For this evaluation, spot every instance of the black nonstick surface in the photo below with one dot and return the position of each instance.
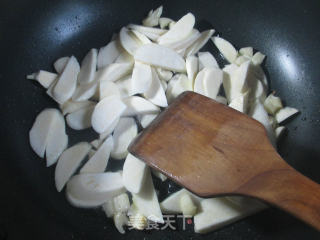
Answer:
(35, 33)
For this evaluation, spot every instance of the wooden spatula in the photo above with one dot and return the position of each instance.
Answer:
(214, 150)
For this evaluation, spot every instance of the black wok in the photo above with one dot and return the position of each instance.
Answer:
(35, 33)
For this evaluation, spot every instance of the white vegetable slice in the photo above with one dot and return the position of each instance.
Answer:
(147, 202)
(219, 212)
(164, 22)
(138, 105)
(279, 131)
(91, 153)
(92, 190)
(179, 84)
(99, 161)
(134, 173)
(68, 163)
(124, 57)
(124, 84)
(153, 17)
(272, 104)
(80, 119)
(240, 103)
(172, 203)
(38, 135)
(85, 91)
(60, 64)
(212, 81)
(120, 220)
(123, 134)
(128, 41)
(206, 59)
(246, 51)
(187, 206)
(164, 85)
(155, 93)
(259, 113)
(113, 72)
(160, 56)
(241, 59)
(141, 78)
(108, 208)
(285, 113)
(88, 67)
(108, 54)
(106, 112)
(45, 78)
(146, 119)
(96, 143)
(143, 39)
(258, 58)
(179, 31)
(108, 89)
(192, 68)
(150, 32)
(164, 75)
(66, 83)
(186, 42)
(57, 140)
(221, 99)
(110, 129)
(70, 106)
(198, 82)
(200, 42)
(225, 48)
(121, 203)
(159, 175)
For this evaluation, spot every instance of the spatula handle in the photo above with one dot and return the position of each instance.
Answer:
(289, 190)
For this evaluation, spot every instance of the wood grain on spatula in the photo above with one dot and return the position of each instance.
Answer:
(214, 150)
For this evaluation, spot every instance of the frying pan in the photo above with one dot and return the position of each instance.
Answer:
(35, 33)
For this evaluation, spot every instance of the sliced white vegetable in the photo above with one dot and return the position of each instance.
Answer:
(258, 89)
(147, 202)
(68, 163)
(134, 173)
(106, 112)
(159, 175)
(179, 31)
(124, 84)
(164, 85)
(272, 104)
(285, 113)
(124, 57)
(45, 78)
(123, 134)
(187, 206)
(164, 75)
(246, 51)
(88, 67)
(273, 122)
(128, 41)
(50, 92)
(221, 99)
(57, 140)
(164, 22)
(70, 106)
(143, 39)
(219, 212)
(241, 59)
(60, 64)
(172, 203)
(108, 89)
(66, 84)
(240, 103)
(96, 143)
(120, 220)
(200, 42)
(146, 119)
(80, 119)
(138, 105)
(92, 190)
(186, 42)
(99, 161)
(108, 54)
(153, 17)
(108, 208)
(225, 48)
(113, 72)
(178, 84)
(192, 66)
(258, 58)
(141, 78)
(85, 91)
(38, 135)
(155, 93)
(259, 113)
(160, 56)
(198, 82)
(110, 129)
(150, 32)
(206, 59)
(121, 203)
(212, 81)
(279, 131)
(91, 153)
